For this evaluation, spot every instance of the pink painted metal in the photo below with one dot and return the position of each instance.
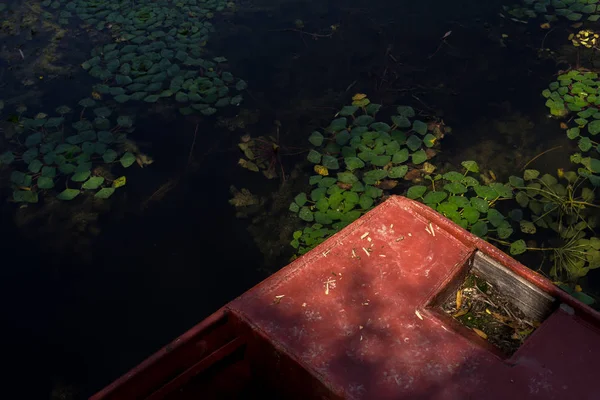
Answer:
(353, 319)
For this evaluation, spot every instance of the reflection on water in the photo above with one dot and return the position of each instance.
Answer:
(131, 131)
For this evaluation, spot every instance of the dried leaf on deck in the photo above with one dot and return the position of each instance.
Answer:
(480, 333)
(459, 297)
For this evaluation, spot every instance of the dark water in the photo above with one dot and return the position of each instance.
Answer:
(83, 315)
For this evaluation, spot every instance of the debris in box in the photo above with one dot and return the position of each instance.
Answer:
(479, 306)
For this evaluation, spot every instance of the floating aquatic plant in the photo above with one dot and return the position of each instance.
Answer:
(470, 204)
(579, 92)
(158, 53)
(356, 158)
(59, 155)
(552, 10)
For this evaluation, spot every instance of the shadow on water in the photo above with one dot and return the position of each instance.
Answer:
(153, 274)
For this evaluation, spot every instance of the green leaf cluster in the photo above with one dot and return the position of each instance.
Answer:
(549, 202)
(552, 10)
(310, 237)
(159, 52)
(56, 152)
(463, 199)
(355, 155)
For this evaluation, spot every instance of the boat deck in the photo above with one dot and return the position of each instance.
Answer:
(358, 318)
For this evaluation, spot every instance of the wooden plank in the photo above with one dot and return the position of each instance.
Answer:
(524, 295)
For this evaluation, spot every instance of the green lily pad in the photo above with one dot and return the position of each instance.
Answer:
(67, 194)
(398, 172)
(455, 188)
(306, 215)
(30, 155)
(480, 229)
(122, 98)
(435, 197)
(330, 162)
(80, 176)
(530, 174)
(415, 192)
(338, 124)
(105, 137)
(35, 166)
(420, 127)
(44, 182)
(353, 163)
(406, 111)
(419, 157)
(49, 172)
(25, 196)
(125, 121)
(594, 127)
(33, 139)
(208, 111)
(104, 193)
(518, 247)
(87, 102)
(363, 120)
(365, 202)
(93, 183)
(413, 143)
(347, 111)
(401, 121)
(127, 159)
(371, 177)
(7, 157)
(400, 156)
(316, 138)
(153, 98)
(314, 157)
(429, 140)
(103, 112)
(347, 177)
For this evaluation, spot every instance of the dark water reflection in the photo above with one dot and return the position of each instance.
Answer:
(150, 276)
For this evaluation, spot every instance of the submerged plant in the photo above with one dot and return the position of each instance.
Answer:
(565, 208)
(60, 155)
(264, 153)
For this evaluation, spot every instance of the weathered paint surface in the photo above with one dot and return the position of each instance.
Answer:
(356, 313)
(353, 312)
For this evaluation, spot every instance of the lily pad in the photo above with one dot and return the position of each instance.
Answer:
(415, 192)
(35, 166)
(44, 182)
(518, 247)
(125, 121)
(33, 139)
(93, 182)
(80, 176)
(68, 194)
(103, 112)
(398, 172)
(104, 193)
(25, 196)
(127, 159)
(7, 157)
(316, 138)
